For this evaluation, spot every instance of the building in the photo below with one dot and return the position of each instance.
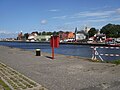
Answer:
(90, 40)
(20, 35)
(32, 36)
(66, 35)
(80, 35)
(99, 37)
(43, 38)
(62, 35)
(70, 35)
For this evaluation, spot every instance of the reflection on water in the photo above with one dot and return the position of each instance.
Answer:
(75, 50)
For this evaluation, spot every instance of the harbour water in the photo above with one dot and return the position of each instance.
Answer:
(66, 49)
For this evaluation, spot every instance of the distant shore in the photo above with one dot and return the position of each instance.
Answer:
(71, 43)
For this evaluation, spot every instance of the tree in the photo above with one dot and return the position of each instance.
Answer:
(49, 33)
(26, 35)
(55, 33)
(111, 30)
(39, 33)
(35, 32)
(44, 33)
(92, 32)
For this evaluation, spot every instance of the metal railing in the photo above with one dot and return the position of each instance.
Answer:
(95, 52)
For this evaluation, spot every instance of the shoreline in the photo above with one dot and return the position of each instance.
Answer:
(64, 44)
(71, 43)
(48, 53)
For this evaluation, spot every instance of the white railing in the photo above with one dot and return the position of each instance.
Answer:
(96, 53)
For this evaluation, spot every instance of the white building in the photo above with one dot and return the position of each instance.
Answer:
(43, 38)
(80, 36)
(32, 37)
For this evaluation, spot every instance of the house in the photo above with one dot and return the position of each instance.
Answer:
(43, 38)
(80, 35)
(90, 40)
(32, 37)
(62, 35)
(66, 36)
(100, 37)
(70, 35)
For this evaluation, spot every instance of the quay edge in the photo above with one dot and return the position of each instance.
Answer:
(72, 43)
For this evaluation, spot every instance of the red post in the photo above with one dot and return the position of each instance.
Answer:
(54, 42)
(53, 48)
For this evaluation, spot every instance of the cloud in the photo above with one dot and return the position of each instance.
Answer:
(100, 8)
(2, 31)
(86, 21)
(118, 10)
(44, 21)
(60, 17)
(96, 20)
(5, 34)
(116, 19)
(54, 10)
(93, 14)
(92, 17)
(64, 28)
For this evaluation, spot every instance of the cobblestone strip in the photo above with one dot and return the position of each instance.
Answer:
(17, 81)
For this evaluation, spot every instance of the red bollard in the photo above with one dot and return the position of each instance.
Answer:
(54, 42)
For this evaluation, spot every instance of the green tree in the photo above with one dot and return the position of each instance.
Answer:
(26, 35)
(111, 30)
(44, 33)
(55, 33)
(92, 32)
(35, 32)
(39, 33)
(49, 33)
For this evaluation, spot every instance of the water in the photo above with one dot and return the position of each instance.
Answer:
(74, 50)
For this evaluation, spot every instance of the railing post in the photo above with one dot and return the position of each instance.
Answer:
(94, 53)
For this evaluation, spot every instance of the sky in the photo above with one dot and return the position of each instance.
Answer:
(56, 15)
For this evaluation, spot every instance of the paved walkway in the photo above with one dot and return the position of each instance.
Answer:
(10, 79)
(63, 73)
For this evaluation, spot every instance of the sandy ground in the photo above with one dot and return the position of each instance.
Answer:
(64, 72)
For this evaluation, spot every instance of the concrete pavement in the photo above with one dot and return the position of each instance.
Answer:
(63, 73)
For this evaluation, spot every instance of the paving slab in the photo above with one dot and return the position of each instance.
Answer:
(13, 80)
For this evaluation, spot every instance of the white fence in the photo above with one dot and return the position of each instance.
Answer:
(96, 53)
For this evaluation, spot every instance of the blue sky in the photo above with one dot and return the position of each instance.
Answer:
(56, 15)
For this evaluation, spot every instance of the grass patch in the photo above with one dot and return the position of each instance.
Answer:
(117, 62)
(5, 86)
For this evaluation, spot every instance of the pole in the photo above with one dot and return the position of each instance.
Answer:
(53, 48)
(94, 55)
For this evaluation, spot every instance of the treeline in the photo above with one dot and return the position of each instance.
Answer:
(26, 35)
(110, 30)
(43, 33)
